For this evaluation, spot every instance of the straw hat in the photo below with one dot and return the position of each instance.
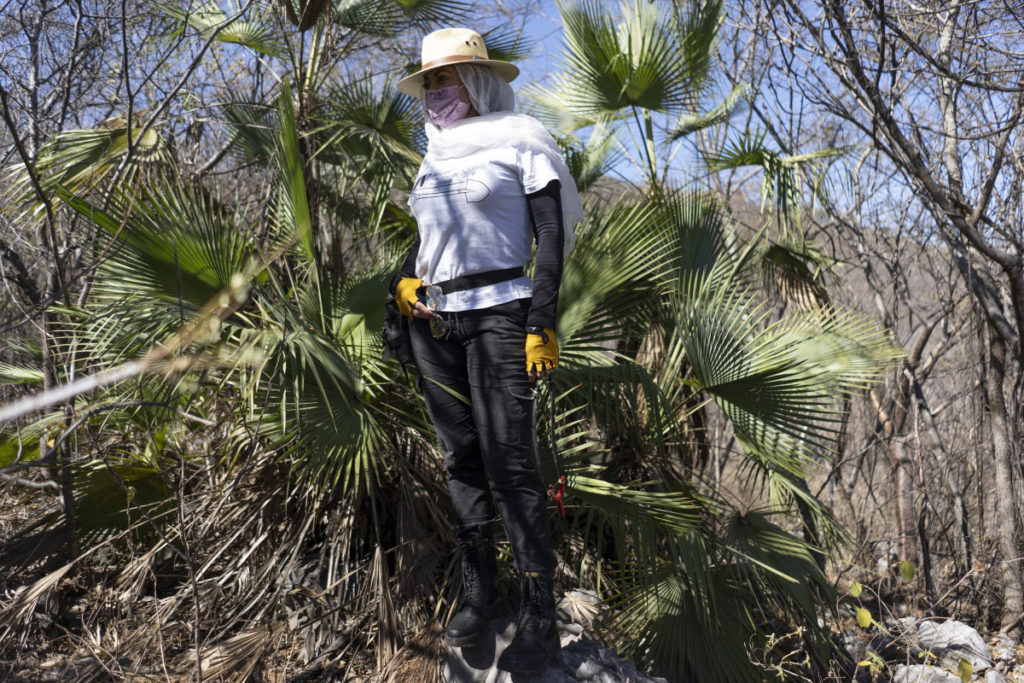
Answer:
(453, 46)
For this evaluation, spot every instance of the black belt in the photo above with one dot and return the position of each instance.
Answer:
(490, 277)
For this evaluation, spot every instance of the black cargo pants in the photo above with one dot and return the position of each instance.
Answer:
(486, 430)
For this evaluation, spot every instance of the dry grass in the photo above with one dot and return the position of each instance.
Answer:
(263, 585)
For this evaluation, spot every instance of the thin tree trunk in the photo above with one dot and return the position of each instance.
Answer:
(906, 518)
(1007, 504)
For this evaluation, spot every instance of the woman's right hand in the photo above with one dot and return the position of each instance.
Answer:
(405, 296)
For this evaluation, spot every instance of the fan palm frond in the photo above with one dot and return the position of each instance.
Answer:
(114, 494)
(779, 382)
(733, 103)
(505, 43)
(174, 250)
(253, 128)
(80, 160)
(22, 444)
(209, 20)
(546, 104)
(647, 60)
(368, 17)
(11, 373)
(374, 18)
(589, 162)
(670, 512)
(334, 408)
(175, 243)
(780, 573)
(683, 627)
(688, 616)
(781, 186)
(697, 30)
(378, 129)
(700, 231)
(788, 277)
(635, 421)
(620, 256)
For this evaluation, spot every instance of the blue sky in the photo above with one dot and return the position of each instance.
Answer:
(544, 31)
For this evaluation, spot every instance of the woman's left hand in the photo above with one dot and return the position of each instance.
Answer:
(541, 354)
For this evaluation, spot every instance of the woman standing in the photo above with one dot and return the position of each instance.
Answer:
(492, 183)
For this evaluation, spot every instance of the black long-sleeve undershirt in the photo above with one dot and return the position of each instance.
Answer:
(546, 213)
(545, 208)
(408, 268)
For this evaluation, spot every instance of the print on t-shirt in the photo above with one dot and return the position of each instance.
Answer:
(430, 185)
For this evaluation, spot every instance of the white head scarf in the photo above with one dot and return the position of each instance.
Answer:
(498, 125)
(488, 92)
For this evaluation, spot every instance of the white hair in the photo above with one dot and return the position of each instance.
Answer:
(488, 92)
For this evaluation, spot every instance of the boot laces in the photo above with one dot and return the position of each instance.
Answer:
(534, 604)
(472, 572)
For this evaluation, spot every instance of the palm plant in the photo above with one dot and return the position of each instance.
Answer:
(677, 569)
(651, 69)
(692, 594)
(284, 396)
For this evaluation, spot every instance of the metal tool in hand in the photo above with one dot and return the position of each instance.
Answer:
(438, 325)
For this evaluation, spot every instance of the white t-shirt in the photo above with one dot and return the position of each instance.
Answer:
(473, 217)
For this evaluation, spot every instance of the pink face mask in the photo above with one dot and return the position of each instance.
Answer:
(444, 106)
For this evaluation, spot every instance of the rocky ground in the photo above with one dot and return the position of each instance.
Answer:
(907, 650)
(912, 650)
(581, 659)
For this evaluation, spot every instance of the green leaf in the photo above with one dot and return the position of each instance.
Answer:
(856, 589)
(864, 619)
(176, 244)
(907, 570)
(647, 60)
(20, 374)
(386, 19)
(258, 33)
(111, 494)
(781, 383)
(612, 276)
(293, 171)
(732, 104)
(965, 670)
(781, 186)
(670, 511)
(81, 160)
(23, 444)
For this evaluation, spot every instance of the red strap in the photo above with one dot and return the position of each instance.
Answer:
(558, 493)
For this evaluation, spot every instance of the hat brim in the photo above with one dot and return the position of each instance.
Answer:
(413, 85)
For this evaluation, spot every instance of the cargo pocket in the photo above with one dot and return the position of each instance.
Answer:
(518, 429)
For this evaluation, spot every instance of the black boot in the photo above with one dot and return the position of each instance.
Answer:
(536, 643)
(481, 602)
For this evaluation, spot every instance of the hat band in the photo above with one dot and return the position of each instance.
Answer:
(451, 59)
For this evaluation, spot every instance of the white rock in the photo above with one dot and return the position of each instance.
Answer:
(1003, 649)
(581, 659)
(921, 673)
(992, 676)
(950, 640)
(588, 670)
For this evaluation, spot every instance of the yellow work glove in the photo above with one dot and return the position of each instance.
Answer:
(541, 352)
(405, 294)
